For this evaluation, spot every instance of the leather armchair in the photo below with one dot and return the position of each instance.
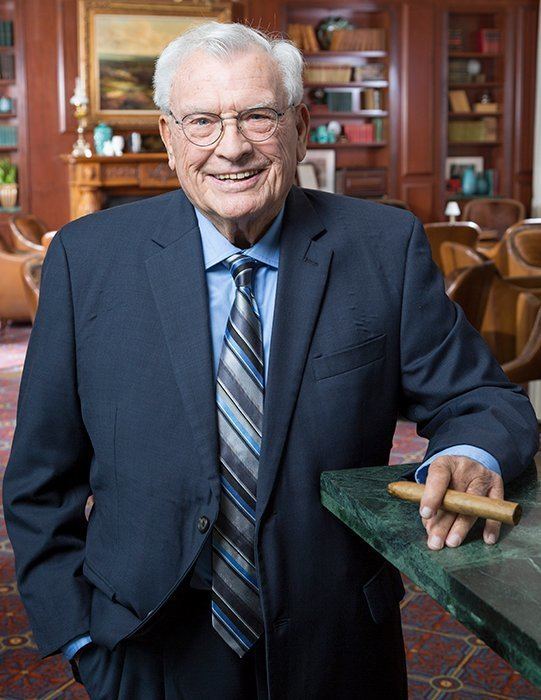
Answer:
(464, 232)
(456, 257)
(494, 215)
(13, 301)
(26, 232)
(507, 315)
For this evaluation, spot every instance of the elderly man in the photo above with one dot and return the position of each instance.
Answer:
(198, 359)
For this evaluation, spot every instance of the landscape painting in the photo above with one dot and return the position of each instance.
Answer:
(126, 51)
(120, 44)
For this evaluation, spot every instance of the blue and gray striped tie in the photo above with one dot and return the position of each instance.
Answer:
(236, 608)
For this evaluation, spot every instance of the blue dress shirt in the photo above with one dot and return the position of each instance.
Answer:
(221, 293)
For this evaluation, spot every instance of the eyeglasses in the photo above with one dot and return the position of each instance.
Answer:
(256, 125)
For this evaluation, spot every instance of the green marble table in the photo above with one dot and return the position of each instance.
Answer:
(494, 590)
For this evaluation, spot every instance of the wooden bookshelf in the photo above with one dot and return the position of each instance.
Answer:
(354, 85)
(476, 67)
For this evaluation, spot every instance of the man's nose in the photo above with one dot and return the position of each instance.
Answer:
(232, 144)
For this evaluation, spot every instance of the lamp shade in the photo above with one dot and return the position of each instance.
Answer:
(452, 209)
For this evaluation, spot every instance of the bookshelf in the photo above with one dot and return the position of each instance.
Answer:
(347, 85)
(477, 108)
(13, 137)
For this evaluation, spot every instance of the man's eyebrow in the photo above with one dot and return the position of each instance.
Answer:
(196, 109)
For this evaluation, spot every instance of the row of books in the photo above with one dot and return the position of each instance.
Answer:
(459, 102)
(8, 135)
(6, 33)
(487, 40)
(369, 132)
(7, 66)
(303, 36)
(366, 39)
(485, 129)
(358, 40)
(458, 72)
(326, 73)
(343, 73)
(371, 99)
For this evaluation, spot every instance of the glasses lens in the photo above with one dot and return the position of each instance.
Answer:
(258, 124)
(201, 129)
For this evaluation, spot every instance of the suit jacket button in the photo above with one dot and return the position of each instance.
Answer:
(203, 523)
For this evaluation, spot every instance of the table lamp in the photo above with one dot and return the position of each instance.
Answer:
(452, 210)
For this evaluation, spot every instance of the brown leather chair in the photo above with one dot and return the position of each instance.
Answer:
(465, 232)
(507, 316)
(493, 215)
(26, 231)
(13, 303)
(31, 274)
(517, 254)
(456, 257)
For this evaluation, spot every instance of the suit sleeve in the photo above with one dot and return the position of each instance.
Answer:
(46, 485)
(452, 386)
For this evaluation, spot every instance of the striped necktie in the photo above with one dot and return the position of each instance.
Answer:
(236, 608)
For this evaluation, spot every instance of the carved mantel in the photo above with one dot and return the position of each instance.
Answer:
(93, 181)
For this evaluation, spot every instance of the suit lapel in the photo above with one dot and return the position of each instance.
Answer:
(177, 277)
(302, 276)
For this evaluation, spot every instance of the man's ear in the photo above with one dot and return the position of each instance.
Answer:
(165, 133)
(303, 126)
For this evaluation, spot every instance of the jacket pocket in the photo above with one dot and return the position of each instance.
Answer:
(94, 576)
(383, 592)
(351, 358)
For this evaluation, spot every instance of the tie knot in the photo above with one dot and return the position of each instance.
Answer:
(242, 268)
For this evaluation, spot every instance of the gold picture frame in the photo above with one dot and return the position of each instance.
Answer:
(118, 45)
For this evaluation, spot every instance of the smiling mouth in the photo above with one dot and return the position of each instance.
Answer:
(245, 175)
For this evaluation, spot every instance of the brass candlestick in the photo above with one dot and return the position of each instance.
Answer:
(80, 101)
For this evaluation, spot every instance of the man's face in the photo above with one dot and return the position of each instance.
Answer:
(227, 87)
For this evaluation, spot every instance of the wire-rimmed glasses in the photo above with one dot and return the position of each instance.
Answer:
(205, 128)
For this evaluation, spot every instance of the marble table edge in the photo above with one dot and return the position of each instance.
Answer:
(506, 648)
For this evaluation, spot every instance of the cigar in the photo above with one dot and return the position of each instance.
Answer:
(464, 503)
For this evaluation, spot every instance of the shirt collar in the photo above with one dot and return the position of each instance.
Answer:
(216, 248)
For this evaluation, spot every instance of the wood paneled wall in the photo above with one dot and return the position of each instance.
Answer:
(50, 28)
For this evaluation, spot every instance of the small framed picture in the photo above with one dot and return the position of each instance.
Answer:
(323, 162)
(307, 176)
(456, 165)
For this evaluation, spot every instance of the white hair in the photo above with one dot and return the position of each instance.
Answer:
(225, 41)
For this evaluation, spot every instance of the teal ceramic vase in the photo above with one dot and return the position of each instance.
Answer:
(469, 181)
(482, 185)
(102, 133)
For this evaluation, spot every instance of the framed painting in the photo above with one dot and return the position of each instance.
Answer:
(323, 162)
(457, 165)
(119, 43)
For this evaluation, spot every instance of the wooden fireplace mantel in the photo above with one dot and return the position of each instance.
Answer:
(92, 181)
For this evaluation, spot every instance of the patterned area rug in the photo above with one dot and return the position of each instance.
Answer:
(445, 661)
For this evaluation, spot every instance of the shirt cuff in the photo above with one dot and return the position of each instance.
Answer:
(475, 453)
(71, 648)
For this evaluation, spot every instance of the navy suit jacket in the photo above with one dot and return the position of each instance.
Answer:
(117, 399)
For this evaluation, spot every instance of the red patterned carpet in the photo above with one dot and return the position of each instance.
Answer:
(445, 661)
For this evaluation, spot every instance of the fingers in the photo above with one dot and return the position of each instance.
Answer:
(437, 482)
(461, 474)
(447, 528)
(492, 528)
